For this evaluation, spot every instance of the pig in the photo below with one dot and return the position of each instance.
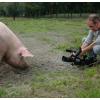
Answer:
(12, 50)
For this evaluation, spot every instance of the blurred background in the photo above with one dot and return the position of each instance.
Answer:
(48, 9)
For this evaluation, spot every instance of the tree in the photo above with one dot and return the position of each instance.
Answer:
(12, 9)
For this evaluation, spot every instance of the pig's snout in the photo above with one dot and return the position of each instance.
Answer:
(19, 63)
(21, 66)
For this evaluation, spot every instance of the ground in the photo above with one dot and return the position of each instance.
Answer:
(44, 59)
(48, 76)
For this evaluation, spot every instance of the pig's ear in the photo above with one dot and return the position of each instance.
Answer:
(25, 53)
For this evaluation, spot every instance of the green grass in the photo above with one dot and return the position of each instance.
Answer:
(3, 92)
(90, 72)
(66, 84)
(57, 83)
(62, 46)
(90, 90)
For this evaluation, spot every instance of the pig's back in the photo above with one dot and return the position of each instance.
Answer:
(9, 37)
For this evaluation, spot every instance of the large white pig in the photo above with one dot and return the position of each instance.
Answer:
(12, 51)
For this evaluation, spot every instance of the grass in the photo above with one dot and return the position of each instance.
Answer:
(3, 92)
(62, 46)
(66, 84)
(90, 72)
(90, 90)
(56, 83)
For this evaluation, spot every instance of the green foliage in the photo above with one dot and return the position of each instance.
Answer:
(47, 9)
(3, 92)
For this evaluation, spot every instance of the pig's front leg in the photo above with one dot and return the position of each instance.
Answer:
(2, 62)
